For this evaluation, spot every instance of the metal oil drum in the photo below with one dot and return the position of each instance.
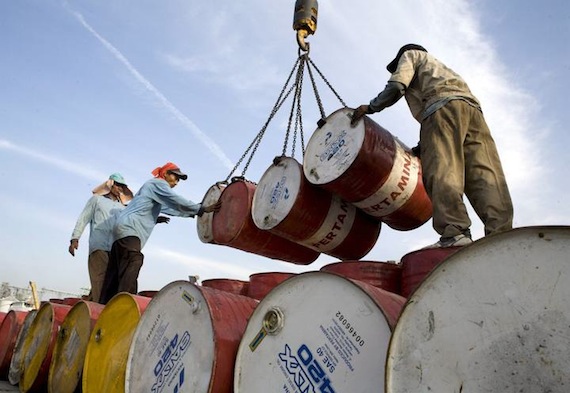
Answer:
(260, 284)
(234, 227)
(237, 287)
(317, 332)
(187, 340)
(287, 204)
(9, 329)
(366, 166)
(416, 266)
(15, 370)
(71, 345)
(204, 222)
(39, 344)
(379, 274)
(493, 317)
(109, 343)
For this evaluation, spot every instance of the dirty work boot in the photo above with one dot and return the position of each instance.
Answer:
(455, 241)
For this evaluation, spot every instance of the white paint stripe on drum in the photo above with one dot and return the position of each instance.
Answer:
(335, 228)
(397, 189)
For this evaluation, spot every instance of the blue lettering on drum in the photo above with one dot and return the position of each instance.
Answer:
(335, 145)
(307, 373)
(168, 361)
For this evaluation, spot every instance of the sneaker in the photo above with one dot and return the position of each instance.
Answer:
(455, 241)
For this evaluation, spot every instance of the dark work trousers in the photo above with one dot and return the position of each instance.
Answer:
(459, 156)
(125, 264)
(97, 263)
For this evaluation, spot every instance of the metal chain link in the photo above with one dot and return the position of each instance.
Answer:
(326, 81)
(255, 143)
(296, 97)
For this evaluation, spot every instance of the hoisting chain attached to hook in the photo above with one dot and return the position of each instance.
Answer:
(305, 21)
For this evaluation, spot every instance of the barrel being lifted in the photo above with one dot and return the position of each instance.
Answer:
(305, 20)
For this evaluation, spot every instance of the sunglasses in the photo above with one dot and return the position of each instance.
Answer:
(120, 185)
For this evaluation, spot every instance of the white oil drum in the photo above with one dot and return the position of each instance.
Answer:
(317, 332)
(186, 340)
(492, 317)
(368, 167)
(204, 222)
(287, 204)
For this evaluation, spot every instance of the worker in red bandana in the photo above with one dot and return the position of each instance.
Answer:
(136, 222)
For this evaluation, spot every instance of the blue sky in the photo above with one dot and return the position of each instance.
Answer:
(90, 88)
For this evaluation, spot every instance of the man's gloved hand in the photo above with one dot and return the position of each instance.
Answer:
(358, 113)
(162, 220)
(416, 150)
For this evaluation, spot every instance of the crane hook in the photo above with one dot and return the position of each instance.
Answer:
(305, 21)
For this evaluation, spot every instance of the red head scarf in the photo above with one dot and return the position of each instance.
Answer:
(160, 172)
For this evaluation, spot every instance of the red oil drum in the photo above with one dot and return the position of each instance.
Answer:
(147, 293)
(379, 274)
(237, 287)
(234, 227)
(204, 222)
(418, 264)
(71, 345)
(366, 166)
(71, 301)
(9, 329)
(492, 317)
(187, 340)
(39, 344)
(317, 332)
(260, 284)
(109, 343)
(2, 316)
(56, 301)
(16, 361)
(286, 204)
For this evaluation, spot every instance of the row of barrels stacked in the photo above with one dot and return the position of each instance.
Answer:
(352, 180)
(185, 336)
(492, 316)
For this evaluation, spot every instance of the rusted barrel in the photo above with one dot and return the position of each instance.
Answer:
(16, 361)
(187, 340)
(109, 343)
(260, 284)
(317, 332)
(379, 274)
(237, 287)
(366, 166)
(418, 264)
(492, 317)
(39, 344)
(9, 329)
(71, 345)
(286, 204)
(204, 222)
(234, 227)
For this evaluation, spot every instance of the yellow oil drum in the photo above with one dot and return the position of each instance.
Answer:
(39, 344)
(71, 345)
(109, 344)
(16, 362)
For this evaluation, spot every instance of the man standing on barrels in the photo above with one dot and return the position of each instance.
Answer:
(457, 151)
(135, 224)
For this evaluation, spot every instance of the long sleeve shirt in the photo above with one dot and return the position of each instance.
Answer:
(100, 213)
(154, 197)
(429, 83)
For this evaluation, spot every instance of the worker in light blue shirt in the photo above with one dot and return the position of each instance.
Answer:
(99, 213)
(135, 224)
